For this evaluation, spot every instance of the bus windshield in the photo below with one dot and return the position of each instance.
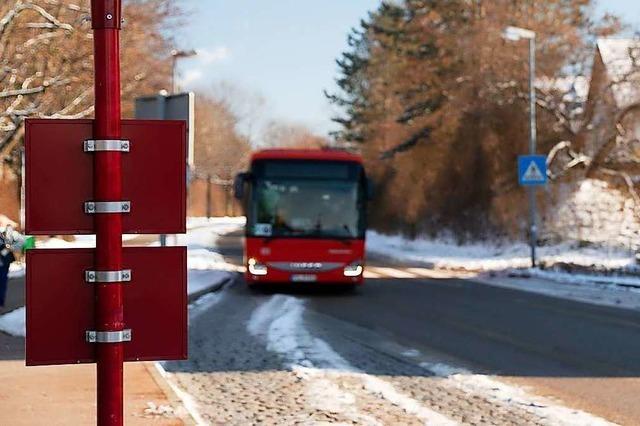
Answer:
(314, 207)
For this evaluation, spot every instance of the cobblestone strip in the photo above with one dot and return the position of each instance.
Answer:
(258, 359)
(280, 322)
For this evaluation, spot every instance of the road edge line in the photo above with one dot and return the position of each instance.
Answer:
(213, 288)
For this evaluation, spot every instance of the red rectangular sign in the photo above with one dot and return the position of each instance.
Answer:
(60, 305)
(59, 177)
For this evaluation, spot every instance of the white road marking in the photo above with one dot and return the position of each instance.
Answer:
(371, 274)
(391, 272)
(428, 273)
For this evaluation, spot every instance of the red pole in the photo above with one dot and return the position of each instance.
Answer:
(106, 22)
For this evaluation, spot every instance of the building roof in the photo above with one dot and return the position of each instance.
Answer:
(621, 58)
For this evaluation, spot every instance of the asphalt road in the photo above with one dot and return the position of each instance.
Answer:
(585, 356)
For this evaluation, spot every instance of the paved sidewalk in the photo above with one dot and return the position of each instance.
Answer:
(65, 395)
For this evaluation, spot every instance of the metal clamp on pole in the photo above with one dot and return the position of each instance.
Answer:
(114, 145)
(108, 336)
(108, 277)
(93, 207)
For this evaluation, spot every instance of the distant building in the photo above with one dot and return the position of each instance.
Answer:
(614, 88)
(599, 209)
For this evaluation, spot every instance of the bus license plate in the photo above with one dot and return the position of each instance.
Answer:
(304, 278)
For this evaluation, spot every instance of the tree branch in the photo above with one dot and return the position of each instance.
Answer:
(425, 133)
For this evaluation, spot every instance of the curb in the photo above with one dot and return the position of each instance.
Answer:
(213, 288)
(187, 416)
(181, 412)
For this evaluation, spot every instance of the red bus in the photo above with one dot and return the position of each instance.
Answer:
(306, 217)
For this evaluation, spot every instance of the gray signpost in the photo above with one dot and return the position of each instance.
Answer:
(170, 107)
(163, 106)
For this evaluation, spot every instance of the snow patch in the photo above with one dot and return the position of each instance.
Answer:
(222, 224)
(509, 266)
(206, 267)
(280, 321)
(567, 286)
(445, 254)
(411, 353)
(325, 395)
(204, 303)
(508, 395)
(78, 241)
(505, 394)
(14, 323)
(17, 270)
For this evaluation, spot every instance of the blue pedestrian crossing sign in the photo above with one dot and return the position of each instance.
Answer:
(532, 170)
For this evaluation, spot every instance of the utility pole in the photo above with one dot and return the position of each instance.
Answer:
(109, 316)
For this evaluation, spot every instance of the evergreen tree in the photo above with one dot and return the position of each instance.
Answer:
(437, 102)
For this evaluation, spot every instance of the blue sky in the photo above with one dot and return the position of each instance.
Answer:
(284, 50)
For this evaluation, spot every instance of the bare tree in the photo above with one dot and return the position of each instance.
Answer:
(221, 150)
(285, 135)
(46, 62)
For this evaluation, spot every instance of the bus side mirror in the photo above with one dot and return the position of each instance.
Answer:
(238, 185)
(370, 189)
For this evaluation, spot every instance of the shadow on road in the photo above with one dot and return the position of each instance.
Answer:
(496, 330)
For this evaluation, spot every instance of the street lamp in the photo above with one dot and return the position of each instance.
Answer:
(516, 34)
(175, 55)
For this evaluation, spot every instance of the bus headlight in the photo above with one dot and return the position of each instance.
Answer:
(257, 268)
(353, 270)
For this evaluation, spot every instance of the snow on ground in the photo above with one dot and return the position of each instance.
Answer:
(204, 303)
(501, 393)
(222, 224)
(568, 286)
(509, 266)
(279, 321)
(445, 254)
(206, 268)
(17, 270)
(14, 323)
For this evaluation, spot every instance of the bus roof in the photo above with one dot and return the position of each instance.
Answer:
(306, 154)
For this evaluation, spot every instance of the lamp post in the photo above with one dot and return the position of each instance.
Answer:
(175, 55)
(516, 34)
